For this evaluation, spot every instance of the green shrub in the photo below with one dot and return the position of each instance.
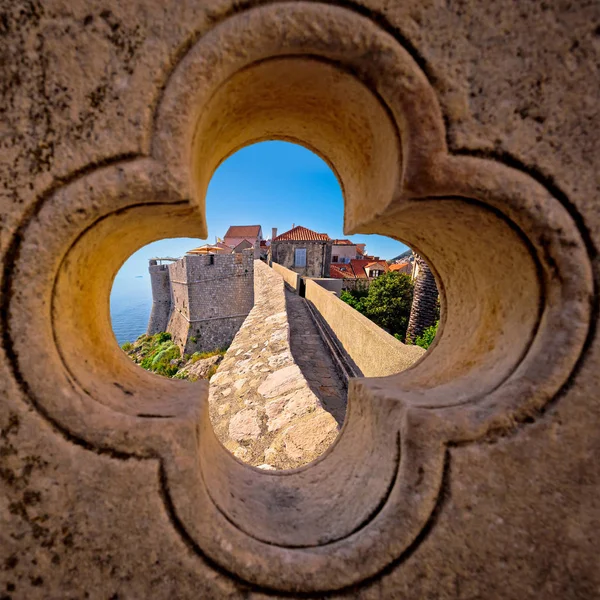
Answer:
(127, 346)
(354, 298)
(387, 302)
(156, 353)
(426, 338)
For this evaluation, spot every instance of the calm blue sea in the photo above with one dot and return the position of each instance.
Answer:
(130, 305)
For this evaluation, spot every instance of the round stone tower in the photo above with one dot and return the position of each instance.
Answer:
(161, 297)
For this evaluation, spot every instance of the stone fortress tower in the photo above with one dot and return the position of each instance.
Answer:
(161, 297)
(202, 300)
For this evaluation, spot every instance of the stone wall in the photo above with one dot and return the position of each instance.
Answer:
(261, 405)
(318, 256)
(290, 277)
(212, 295)
(373, 351)
(162, 302)
(330, 284)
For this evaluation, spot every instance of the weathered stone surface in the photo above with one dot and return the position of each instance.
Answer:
(467, 129)
(201, 368)
(281, 382)
(245, 426)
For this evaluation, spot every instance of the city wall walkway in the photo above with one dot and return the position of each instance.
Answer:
(277, 400)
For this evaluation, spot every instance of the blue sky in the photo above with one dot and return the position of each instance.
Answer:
(273, 184)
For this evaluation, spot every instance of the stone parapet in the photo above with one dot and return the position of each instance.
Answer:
(371, 350)
(290, 277)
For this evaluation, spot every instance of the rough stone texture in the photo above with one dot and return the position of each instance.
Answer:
(201, 368)
(162, 302)
(100, 498)
(423, 309)
(263, 396)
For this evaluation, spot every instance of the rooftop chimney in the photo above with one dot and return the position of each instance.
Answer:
(273, 233)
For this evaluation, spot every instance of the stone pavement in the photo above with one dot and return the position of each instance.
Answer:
(276, 400)
(314, 359)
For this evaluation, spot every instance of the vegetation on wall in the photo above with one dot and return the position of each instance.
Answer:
(155, 353)
(387, 302)
(159, 354)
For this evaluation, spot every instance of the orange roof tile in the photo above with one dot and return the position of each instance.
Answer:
(403, 267)
(242, 231)
(340, 273)
(302, 234)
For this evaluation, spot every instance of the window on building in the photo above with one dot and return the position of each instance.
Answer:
(335, 258)
(300, 257)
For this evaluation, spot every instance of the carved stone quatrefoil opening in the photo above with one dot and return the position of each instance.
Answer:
(334, 81)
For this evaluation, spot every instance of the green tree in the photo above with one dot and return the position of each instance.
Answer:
(354, 298)
(426, 338)
(389, 301)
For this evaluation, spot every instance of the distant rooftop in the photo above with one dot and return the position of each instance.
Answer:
(243, 231)
(302, 234)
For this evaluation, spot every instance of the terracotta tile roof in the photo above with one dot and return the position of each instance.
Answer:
(343, 243)
(358, 266)
(355, 269)
(340, 273)
(243, 231)
(378, 264)
(302, 234)
(404, 267)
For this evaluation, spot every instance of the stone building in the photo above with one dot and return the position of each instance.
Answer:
(162, 302)
(237, 234)
(304, 251)
(202, 300)
(343, 251)
(357, 274)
